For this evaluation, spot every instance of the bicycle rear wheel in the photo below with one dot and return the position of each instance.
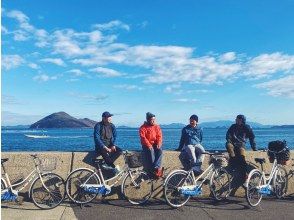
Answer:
(255, 180)
(48, 191)
(73, 184)
(173, 182)
(137, 187)
(280, 182)
(220, 184)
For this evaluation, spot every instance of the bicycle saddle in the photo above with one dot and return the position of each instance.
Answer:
(4, 160)
(259, 160)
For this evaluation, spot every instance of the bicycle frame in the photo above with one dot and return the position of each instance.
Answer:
(272, 173)
(206, 174)
(32, 176)
(126, 170)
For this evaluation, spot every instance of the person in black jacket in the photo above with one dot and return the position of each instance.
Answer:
(105, 140)
(236, 139)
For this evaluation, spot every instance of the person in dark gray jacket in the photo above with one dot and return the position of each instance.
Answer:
(191, 144)
(236, 139)
(105, 140)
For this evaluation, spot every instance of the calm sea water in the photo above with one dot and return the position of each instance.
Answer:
(128, 139)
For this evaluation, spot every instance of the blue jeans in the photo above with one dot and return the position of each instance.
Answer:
(153, 157)
(195, 155)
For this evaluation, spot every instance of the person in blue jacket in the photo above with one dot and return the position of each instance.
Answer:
(191, 144)
(105, 140)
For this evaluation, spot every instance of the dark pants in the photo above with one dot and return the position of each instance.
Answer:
(153, 157)
(237, 157)
(110, 157)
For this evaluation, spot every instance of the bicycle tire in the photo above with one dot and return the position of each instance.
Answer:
(137, 187)
(172, 196)
(73, 182)
(3, 184)
(254, 181)
(280, 182)
(220, 184)
(44, 199)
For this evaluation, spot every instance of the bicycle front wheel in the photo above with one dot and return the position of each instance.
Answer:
(172, 193)
(220, 184)
(137, 187)
(74, 182)
(280, 182)
(255, 180)
(48, 191)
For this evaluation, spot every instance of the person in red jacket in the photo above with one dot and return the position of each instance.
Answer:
(151, 140)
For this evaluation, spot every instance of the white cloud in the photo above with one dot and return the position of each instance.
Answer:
(76, 72)
(56, 61)
(116, 24)
(228, 57)
(4, 30)
(44, 78)
(174, 88)
(11, 61)
(99, 49)
(26, 30)
(9, 100)
(185, 100)
(11, 118)
(106, 72)
(267, 64)
(33, 66)
(280, 87)
(128, 87)
(91, 99)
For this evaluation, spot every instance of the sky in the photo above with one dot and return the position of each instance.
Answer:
(212, 58)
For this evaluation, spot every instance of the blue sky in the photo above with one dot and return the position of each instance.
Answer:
(173, 58)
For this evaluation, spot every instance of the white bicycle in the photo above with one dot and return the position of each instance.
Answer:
(180, 185)
(260, 184)
(84, 184)
(47, 190)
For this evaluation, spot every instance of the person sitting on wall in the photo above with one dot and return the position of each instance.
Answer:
(105, 141)
(191, 145)
(151, 140)
(236, 139)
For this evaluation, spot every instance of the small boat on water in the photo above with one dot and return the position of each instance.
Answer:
(36, 136)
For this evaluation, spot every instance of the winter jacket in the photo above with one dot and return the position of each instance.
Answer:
(190, 136)
(150, 135)
(237, 135)
(99, 136)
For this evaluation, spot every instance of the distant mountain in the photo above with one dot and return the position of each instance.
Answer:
(62, 120)
(215, 124)
(283, 126)
(173, 125)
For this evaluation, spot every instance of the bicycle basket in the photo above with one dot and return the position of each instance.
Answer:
(48, 164)
(218, 161)
(134, 160)
(280, 149)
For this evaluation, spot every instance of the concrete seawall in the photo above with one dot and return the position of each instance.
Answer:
(21, 162)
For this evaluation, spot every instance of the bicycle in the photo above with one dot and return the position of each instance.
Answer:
(180, 185)
(84, 184)
(259, 185)
(47, 190)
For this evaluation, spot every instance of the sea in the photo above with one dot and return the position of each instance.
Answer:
(68, 140)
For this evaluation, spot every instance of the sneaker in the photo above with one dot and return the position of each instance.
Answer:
(116, 170)
(107, 167)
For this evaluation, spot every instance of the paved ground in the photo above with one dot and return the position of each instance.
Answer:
(235, 208)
